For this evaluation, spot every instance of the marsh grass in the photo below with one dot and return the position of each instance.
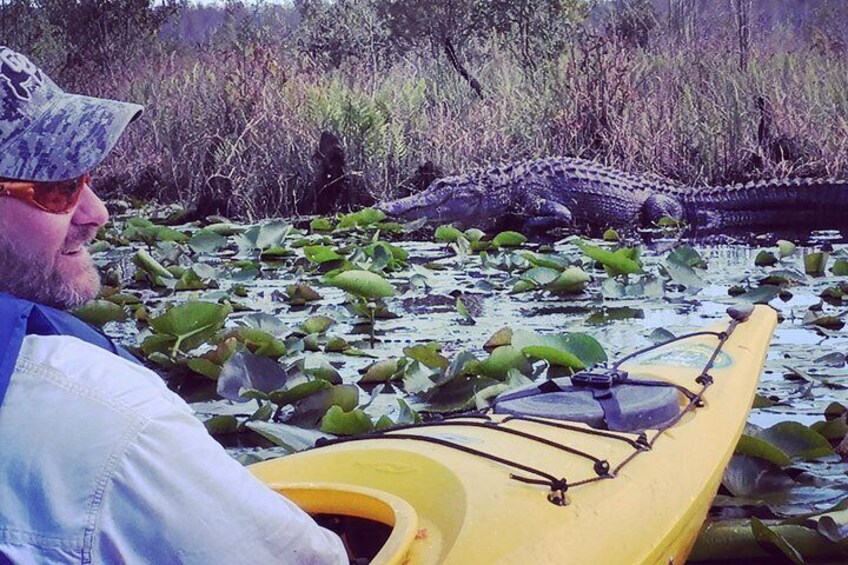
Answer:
(241, 124)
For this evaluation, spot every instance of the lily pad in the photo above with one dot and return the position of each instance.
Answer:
(309, 411)
(362, 218)
(448, 234)
(796, 440)
(814, 263)
(509, 239)
(365, 284)
(317, 324)
(321, 254)
(100, 312)
(575, 350)
(382, 371)
(765, 259)
(292, 438)
(207, 241)
(501, 337)
(769, 538)
(503, 359)
(427, 354)
(247, 371)
(572, 280)
(190, 324)
(786, 248)
(298, 390)
(617, 263)
(339, 422)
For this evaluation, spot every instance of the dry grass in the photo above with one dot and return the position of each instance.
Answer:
(243, 124)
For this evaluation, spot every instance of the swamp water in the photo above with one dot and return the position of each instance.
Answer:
(447, 295)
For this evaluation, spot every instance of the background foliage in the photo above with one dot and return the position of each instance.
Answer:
(238, 95)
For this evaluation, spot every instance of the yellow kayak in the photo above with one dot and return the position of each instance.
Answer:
(514, 486)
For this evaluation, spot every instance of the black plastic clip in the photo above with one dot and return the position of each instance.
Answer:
(602, 380)
(557, 495)
(704, 379)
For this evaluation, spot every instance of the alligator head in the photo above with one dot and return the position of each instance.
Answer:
(467, 202)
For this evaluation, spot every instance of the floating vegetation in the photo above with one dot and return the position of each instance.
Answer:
(281, 335)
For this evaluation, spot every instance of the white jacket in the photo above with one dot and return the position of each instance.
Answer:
(101, 463)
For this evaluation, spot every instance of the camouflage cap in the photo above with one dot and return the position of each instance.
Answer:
(47, 134)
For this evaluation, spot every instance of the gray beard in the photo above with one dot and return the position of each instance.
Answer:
(35, 278)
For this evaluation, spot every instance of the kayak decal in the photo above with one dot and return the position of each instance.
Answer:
(693, 355)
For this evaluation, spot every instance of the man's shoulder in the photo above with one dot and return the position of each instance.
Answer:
(84, 370)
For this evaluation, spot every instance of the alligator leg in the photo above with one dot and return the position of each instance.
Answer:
(658, 206)
(547, 214)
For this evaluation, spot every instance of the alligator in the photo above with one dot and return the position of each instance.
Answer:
(543, 194)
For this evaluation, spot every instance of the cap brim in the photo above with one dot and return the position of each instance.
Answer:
(69, 139)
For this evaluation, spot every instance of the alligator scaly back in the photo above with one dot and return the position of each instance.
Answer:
(798, 203)
(563, 191)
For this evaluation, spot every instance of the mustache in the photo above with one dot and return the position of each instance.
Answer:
(78, 236)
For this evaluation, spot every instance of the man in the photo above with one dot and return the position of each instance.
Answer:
(99, 461)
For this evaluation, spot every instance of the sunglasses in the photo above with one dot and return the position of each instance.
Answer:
(56, 197)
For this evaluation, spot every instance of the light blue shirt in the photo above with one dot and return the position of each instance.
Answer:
(101, 463)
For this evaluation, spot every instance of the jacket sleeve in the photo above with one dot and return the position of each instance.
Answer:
(175, 496)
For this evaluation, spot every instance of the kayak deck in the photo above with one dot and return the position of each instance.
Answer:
(502, 488)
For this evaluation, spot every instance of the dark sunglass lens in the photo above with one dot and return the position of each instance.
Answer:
(57, 196)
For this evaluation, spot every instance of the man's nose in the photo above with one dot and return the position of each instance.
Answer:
(90, 209)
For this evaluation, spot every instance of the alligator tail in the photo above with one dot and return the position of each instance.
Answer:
(803, 203)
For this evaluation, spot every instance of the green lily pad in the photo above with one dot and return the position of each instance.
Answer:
(427, 354)
(144, 260)
(544, 260)
(575, 350)
(523, 286)
(317, 324)
(100, 312)
(272, 235)
(769, 538)
(339, 422)
(300, 294)
(611, 235)
(221, 425)
(190, 324)
(309, 411)
(501, 337)
(756, 447)
(619, 262)
(474, 235)
(204, 367)
(317, 366)
(840, 268)
(541, 275)
(509, 239)
(365, 284)
(765, 259)
(362, 218)
(321, 224)
(814, 263)
(448, 234)
(295, 392)
(382, 371)
(503, 359)
(796, 440)
(321, 254)
(572, 280)
(785, 248)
